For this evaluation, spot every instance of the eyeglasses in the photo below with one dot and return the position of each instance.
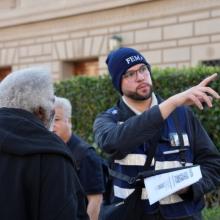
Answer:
(133, 74)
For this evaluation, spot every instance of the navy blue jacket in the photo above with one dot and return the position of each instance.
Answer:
(120, 133)
(37, 177)
(88, 164)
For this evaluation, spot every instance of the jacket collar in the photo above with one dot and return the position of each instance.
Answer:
(125, 112)
(137, 112)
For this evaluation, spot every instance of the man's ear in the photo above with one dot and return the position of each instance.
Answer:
(40, 113)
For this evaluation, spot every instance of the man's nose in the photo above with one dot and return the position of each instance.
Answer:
(139, 76)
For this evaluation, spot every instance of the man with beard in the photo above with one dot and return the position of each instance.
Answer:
(142, 119)
(38, 180)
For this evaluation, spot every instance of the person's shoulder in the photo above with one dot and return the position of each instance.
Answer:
(80, 148)
(110, 111)
(85, 148)
(110, 115)
(80, 141)
(87, 152)
(92, 154)
(75, 142)
(113, 110)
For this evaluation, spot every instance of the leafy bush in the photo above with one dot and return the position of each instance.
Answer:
(211, 214)
(91, 95)
(212, 199)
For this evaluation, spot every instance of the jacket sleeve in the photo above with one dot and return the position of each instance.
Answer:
(91, 173)
(207, 156)
(112, 136)
(61, 196)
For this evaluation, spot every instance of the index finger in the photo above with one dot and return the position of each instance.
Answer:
(208, 79)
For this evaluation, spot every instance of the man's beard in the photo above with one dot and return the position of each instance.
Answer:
(138, 97)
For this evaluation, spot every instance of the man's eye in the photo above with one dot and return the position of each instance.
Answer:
(143, 68)
(129, 74)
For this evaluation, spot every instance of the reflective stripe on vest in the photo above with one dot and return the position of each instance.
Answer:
(123, 193)
(133, 160)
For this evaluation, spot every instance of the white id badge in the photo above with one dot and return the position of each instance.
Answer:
(174, 139)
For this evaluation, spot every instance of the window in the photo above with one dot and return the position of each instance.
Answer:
(4, 71)
(89, 68)
(82, 67)
(211, 62)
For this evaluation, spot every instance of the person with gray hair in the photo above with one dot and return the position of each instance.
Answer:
(38, 180)
(63, 113)
(88, 164)
(30, 90)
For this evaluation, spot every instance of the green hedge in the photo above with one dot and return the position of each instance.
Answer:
(92, 95)
(89, 96)
(211, 213)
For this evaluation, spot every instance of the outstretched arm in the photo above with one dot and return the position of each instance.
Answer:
(124, 137)
(196, 95)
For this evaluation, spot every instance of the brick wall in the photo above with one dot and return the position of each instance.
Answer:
(7, 4)
(168, 32)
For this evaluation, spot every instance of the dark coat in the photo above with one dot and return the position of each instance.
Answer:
(119, 139)
(89, 165)
(37, 177)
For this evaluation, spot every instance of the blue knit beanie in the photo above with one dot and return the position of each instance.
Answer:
(120, 60)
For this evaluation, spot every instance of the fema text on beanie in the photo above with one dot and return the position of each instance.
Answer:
(120, 60)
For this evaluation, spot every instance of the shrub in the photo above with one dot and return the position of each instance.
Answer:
(89, 96)
(211, 214)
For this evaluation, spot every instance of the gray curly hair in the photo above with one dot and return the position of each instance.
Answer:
(28, 89)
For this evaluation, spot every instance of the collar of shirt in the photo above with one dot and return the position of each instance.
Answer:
(153, 103)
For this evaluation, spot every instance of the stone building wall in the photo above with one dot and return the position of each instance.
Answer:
(171, 33)
(7, 4)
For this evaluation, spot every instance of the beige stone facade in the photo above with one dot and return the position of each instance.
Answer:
(171, 33)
